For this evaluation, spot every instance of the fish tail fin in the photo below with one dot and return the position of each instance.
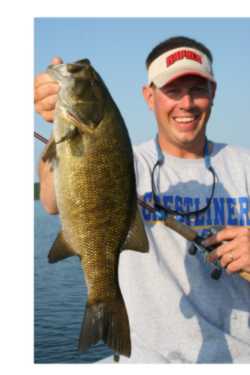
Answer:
(107, 321)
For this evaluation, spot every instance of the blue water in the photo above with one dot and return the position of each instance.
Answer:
(60, 297)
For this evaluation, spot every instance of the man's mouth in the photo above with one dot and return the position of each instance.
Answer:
(185, 119)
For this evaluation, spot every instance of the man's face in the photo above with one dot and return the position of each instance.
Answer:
(182, 109)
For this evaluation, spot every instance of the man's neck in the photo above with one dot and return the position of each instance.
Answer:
(189, 151)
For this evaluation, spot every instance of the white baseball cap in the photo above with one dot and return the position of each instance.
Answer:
(179, 62)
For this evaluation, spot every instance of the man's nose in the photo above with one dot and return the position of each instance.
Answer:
(186, 101)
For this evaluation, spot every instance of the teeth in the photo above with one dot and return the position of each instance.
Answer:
(184, 119)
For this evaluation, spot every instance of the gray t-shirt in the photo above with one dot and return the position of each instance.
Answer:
(177, 312)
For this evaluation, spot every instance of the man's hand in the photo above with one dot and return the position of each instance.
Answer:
(45, 93)
(233, 249)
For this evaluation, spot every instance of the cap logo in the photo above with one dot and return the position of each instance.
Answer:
(183, 54)
(178, 62)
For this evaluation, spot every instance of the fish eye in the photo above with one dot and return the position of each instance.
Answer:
(74, 68)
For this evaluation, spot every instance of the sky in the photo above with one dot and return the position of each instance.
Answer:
(117, 47)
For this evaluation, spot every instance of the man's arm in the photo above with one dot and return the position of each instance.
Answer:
(47, 190)
(45, 93)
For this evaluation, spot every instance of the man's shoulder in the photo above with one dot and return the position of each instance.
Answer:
(144, 146)
(146, 149)
(231, 151)
(145, 156)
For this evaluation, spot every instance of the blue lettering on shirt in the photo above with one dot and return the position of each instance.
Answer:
(147, 215)
(208, 215)
(222, 211)
(188, 204)
(199, 218)
(244, 216)
(179, 207)
(219, 210)
(167, 201)
(232, 218)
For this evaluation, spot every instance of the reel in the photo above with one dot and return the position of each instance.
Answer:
(196, 245)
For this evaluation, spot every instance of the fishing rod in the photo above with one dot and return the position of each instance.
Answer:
(40, 137)
(184, 230)
(196, 240)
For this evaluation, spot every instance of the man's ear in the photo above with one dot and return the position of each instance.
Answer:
(148, 94)
(213, 89)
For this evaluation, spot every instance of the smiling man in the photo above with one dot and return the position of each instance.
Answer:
(177, 312)
(180, 92)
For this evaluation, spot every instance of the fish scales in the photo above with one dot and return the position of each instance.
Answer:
(96, 197)
(95, 175)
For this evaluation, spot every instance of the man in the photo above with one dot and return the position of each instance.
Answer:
(177, 312)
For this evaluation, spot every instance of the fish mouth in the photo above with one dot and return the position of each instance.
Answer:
(82, 92)
(58, 71)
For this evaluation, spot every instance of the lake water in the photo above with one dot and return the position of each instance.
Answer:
(59, 300)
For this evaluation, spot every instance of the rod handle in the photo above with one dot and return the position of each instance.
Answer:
(191, 235)
(245, 275)
(180, 228)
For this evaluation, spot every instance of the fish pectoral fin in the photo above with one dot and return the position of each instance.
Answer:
(49, 152)
(60, 249)
(71, 133)
(137, 238)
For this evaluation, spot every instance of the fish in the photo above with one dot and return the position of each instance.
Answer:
(92, 159)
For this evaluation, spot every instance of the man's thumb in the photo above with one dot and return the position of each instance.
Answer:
(56, 60)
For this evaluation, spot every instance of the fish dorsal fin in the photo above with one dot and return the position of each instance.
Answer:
(137, 239)
(49, 152)
(60, 249)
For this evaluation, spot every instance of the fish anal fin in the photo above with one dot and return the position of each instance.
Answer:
(137, 238)
(49, 152)
(60, 249)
